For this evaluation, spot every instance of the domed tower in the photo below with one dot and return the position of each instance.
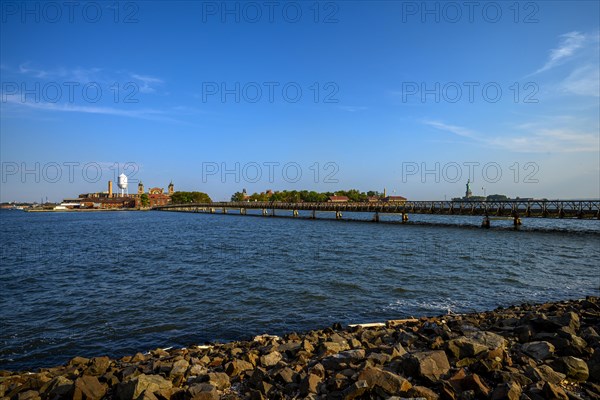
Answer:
(140, 188)
(171, 188)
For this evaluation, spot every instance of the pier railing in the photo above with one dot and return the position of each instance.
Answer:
(582, 209)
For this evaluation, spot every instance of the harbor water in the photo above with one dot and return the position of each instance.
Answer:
(116, 283)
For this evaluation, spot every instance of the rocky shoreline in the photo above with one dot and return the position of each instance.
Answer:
(545, 351)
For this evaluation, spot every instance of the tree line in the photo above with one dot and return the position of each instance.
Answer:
(297, 196)
(190, 197)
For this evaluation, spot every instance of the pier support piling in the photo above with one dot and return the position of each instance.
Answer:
(486, 222)
(314, 214)
(517, 222)
(376, 217)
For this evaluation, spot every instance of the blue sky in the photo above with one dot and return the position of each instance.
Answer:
(409, 96)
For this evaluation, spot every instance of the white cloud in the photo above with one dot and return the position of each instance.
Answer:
(584, 81)
(457, 130)
(142, 113)
(535, 139)
(146, 82)
(568, 46)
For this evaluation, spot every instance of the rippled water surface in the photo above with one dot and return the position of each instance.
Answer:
(116, 283)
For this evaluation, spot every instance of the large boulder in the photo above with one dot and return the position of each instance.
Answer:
(133, 389)
(430, 365)
(98, 366)
(573, 367)
(538, 350)
(387, 381)
(88, 387)
(465, 347)
(268, 360)
(236, 367)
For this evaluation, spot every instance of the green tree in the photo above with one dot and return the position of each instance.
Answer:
(190, 197)
(145, 200)
(237, 196)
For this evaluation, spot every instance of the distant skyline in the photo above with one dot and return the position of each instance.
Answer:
(414, 97)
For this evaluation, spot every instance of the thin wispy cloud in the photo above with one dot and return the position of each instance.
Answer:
(146, 82)
(534, 139)
(457, 130)
(72, 108)
(584, 81)
(569, 44)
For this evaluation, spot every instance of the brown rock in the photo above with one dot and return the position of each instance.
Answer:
(285, 375)
(509, 391)
(219, 380)
(79, 361)
(88, 387)
(147, 395)
(387, 381)
(355, 390)
(545, 373)
(179, 368)
(575, 368)
(473, 382)
(423, 392)
(59, 387)
(552, 391)
(343, 358)
(428, 364)
(203, 391)
(98, 366)
(29, 395)
(327, 348)
(236, 367)
(133, 389)
(465, 347)
(310, 384)
(270, 359)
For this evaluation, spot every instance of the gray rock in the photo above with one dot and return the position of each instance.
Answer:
(538, 350)
(489, 339)
(59, 387)
(342, 359)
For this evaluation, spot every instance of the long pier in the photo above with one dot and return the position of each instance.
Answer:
(502, 209)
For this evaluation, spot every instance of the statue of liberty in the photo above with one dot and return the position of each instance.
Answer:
(468, 193)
